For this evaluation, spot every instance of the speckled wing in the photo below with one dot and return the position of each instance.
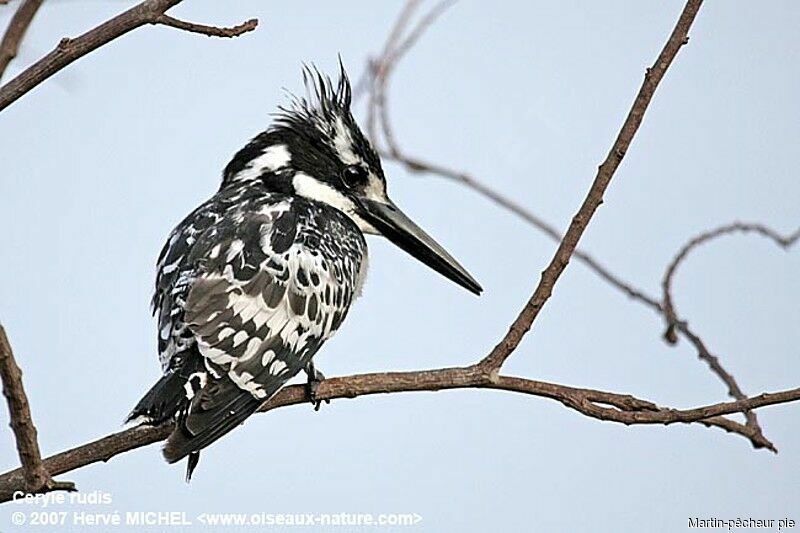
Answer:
(268, 294)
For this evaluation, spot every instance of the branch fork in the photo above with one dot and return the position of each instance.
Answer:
(71, 49)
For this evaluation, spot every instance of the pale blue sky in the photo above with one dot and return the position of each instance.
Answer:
(100, 162)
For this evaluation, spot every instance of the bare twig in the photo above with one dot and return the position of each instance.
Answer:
(22, 18)
(734, 391)
(619, 408)
(601, 405)
(69, 50)
(376, 70)
(426, 21)
(211, 31)
(35, 476)
(784, 241)
(677, 325)
(378, 107)
(413, 164)
(393, 51)
(605, 172)
(380, 70)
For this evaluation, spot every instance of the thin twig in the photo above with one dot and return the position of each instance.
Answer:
(675, 325)
(601, 405)
(380, 70)
(376, 70)
(393, 152)
(211, 31)
(597, 404)
(381, 73)
(22, 18)
(393, 51)
(670, 315)
(427, 20)
(35, 476)
(413, 164)
(594, 198)
(69, 50)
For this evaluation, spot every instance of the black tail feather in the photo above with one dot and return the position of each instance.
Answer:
(191, 464)
(202, 427)
(162, 401)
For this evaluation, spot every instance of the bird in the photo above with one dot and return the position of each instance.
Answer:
(253, 281)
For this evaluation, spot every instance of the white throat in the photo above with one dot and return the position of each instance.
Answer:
(313, 189)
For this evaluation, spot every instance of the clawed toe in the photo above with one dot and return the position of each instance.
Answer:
(315, 377)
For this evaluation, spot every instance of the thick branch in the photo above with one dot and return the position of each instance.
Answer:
(593, 200)
(35, 478)
(69, 50)
(22, 18)
(620, 408)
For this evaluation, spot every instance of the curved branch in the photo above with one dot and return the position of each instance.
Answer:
(69, 50)
(676, 325)
(784, 241)
(393, 51)
(22, 18)
(608, 406)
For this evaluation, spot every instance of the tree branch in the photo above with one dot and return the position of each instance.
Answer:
(612, 407)
(377, 75)
(676, 324)
(22, 18)
(601, 405)
(670, 316)
(679, 326)
(381, 70)
(69, 50)
(605, 172)
(416, 165)
(211, 31)
(34, 476)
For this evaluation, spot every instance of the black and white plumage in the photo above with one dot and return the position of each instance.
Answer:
(253, 282)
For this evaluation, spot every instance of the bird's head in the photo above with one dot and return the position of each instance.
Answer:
(316, 150)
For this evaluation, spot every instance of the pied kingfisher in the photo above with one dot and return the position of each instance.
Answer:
(253, 281)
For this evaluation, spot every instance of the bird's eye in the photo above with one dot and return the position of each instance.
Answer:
(354, 175)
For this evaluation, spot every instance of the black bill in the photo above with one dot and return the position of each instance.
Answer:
(398, 228)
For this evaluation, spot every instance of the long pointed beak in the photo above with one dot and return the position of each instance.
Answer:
(398, 228)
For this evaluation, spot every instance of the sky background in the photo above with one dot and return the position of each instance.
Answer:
(100, 162)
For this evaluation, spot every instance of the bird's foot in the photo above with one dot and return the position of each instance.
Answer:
(315, 377)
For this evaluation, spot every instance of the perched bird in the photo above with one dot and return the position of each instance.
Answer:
(257, 278)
